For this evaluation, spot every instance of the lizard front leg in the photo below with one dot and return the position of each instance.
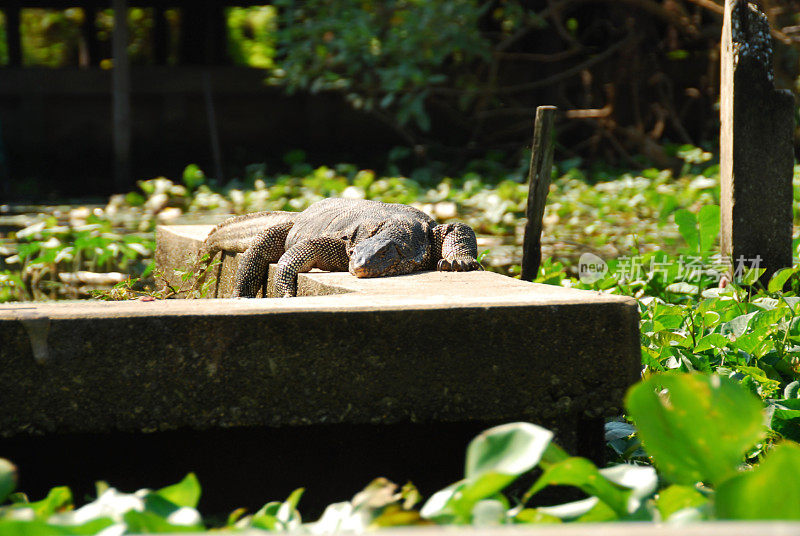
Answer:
(251, 274)
(325, 253)
(456, 248)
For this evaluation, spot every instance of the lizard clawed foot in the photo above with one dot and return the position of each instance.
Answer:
(458, 265)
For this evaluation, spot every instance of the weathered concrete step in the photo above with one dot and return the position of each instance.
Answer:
(391, 375)
(425, 347)
(524, 351)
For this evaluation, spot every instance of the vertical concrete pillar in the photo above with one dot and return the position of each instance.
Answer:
(757, 123)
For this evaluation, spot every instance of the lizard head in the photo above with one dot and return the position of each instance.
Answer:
(389, 254)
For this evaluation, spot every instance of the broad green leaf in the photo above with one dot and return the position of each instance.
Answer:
(712, 340)
(791, 301)
(184, 493)
(675, 498)
(708, 221)
(687, 227)
(287, 513)
(583, 474)
(752, 275)
(779, 279)
(436, 507)
(511, 449)
(553, 454)
(600, 512)
(32, 528)
(148, 522)
(489, 512)
(738, 325)
(58, 499)
(618, 430)
(571, 510)
(668, 322)
(767, 319)
(485, 486)
(534, 516)
(8, 478)
(770, 491)
(711, 318)
(785, 417)
(682, 287)
(697, 428)
(641, 480)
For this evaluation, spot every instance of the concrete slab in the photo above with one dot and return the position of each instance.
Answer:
(530, 352)
(419, 363)
(425, 347)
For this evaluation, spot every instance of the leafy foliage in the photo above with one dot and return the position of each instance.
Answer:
(251, 35)
(385, 57)
(55, 257)
(698, 430)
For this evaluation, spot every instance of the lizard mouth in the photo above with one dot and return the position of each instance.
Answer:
(362, 271)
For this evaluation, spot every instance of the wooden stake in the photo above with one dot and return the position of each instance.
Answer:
(538, 187)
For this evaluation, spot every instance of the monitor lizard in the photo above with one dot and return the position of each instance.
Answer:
(367, 238)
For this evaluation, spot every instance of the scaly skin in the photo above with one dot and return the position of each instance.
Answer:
(366, 238)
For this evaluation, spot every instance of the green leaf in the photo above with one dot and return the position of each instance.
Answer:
(687, 227)
(148, 522)
(708, 221)
(770, 491)
(712, 340)
(495, 458)
(485, 486)
(184, 493)
(511, 449)
(697, 428)
(752, 275)
(767, 319)
(737, 326)
(675, 498)
(600, 512)
(534, 516)
(779, 279)
(785, 417)
(583, 474)
(682, 287)
(31, 528)
(489, 512)
(8, 478)
(58, 499)
(193, 176)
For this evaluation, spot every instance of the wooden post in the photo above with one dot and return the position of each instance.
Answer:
(13, 35)
(756, 153)
(121, 98)
(538, 187)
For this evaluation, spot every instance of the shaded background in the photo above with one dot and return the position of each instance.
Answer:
(417, 83)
